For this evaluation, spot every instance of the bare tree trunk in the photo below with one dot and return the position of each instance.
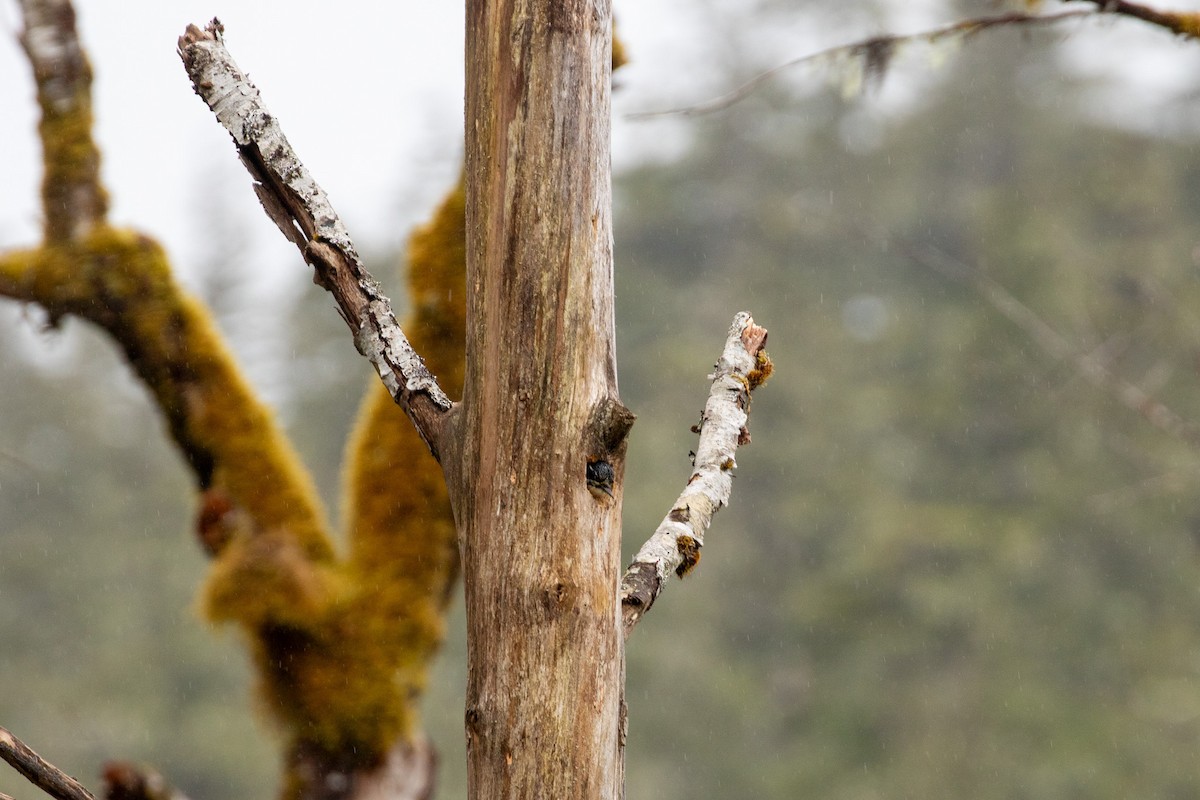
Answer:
(540, 554)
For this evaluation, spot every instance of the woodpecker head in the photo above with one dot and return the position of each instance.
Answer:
(600, 478)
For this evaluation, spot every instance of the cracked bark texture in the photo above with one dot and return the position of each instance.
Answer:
(540, 554)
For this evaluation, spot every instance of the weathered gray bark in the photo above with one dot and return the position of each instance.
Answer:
(540, 554)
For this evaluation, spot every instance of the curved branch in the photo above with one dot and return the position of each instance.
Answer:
(1182, 24)
(871, 56)
(675, 545)
(1057, 346)
(327, 651)
(42, 774)
(122, 282)
(303, 213)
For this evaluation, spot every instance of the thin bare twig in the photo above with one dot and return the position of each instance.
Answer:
(47, 777)
(874, 55)
(675, 545)
(1182, 24)
(303, 213)
(1091, 365)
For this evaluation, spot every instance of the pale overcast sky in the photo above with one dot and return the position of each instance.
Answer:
(370, 94)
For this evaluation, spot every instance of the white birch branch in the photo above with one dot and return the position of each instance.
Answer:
(303, 213)
(675, 545)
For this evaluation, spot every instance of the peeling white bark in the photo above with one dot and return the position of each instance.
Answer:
(675, 545)
(303, 213)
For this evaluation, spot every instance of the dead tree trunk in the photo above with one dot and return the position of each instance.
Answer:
(540, 554)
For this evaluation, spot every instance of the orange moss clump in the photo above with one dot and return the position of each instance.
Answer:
(689, 551)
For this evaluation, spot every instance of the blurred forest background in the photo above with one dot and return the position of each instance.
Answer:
(958, 563)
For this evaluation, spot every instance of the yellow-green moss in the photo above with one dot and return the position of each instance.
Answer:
(264, 578)
(762, 371)
(17, 268)
(70, 160)
(271, 570)
(437, 270)
(340, 650)
(403, 547)
(689, 552)
(122, 281)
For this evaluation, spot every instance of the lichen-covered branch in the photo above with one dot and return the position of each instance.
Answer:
(866, 61)
(42, 774)
(122, 282)
(675, 546)
(303, 213)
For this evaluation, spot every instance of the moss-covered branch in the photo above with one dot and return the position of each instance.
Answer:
(122, 282)
(340, 646)
(404, 550)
